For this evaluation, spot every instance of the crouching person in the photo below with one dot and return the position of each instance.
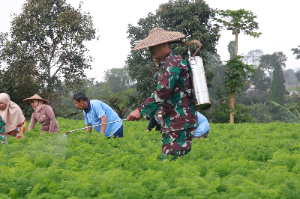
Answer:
(203, 128)
(97, 112)
(13, 116)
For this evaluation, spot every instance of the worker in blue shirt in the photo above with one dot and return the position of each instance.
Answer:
(202, 128)
(201, 131)
(97, 112)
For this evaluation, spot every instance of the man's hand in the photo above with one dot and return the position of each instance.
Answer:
(134, 115)
(89, 129)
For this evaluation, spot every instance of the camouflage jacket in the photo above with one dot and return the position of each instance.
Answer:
(2, 125)
(177, 108)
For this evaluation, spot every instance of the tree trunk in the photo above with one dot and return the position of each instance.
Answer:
(232, 99)
(232, 95)
(236, 42)
(48, 86)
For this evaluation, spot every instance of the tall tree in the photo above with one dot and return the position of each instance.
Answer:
(238, 21)
(296, 52)
(192, 18)
(277, 89)
(277, 92)
(51, 36)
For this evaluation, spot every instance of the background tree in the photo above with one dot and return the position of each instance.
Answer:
(190, 18)
(217, 89)
(116, 90)
(290, 77)
(277, 92)
(268, 62)
(117, 79)
(50, 35)
(260, 80)
(237, 21)
(277, 88)
(253, 57)
(120, 101)
(298, 76)
(296, 52)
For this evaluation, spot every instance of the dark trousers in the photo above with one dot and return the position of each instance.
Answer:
(118, 133)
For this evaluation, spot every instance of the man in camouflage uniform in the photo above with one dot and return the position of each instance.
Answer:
(2, 130)
(178, 115)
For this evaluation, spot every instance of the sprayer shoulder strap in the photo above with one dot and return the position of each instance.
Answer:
(185, 91)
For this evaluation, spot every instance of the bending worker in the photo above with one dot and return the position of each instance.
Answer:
(178, 115)
(97, 112)
(202, 128)
(43, 113)
(13, 117)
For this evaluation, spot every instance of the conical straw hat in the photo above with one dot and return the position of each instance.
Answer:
(158, 36)
(35, 97)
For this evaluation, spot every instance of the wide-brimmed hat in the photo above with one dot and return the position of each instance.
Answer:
(35, 97)
(158, 36)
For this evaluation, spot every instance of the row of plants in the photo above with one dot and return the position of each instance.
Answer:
(235, 161)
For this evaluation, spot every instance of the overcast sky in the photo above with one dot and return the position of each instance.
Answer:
(278, 21)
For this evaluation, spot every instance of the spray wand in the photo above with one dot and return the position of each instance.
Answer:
(93, 126)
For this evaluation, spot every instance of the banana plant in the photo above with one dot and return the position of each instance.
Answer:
(292, 113)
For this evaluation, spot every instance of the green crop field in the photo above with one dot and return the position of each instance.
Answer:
(236, 161)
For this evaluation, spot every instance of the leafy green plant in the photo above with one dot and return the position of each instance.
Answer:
(236, 77)
(235, 161)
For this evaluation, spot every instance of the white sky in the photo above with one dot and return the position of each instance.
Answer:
(278, 21)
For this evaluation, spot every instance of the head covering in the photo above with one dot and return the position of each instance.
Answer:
(39, 105)
(39, 102)
(158, 36)
(35, 97)
(12, 115)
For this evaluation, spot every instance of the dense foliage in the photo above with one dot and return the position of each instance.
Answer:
(47, 46)
(296, 51)
(236, 161)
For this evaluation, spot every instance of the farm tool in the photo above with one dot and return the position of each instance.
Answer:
(93, 126)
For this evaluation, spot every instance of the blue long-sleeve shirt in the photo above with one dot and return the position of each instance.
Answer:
(96, 109)
(203, 125)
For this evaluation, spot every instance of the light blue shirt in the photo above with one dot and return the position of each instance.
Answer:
(203, 125)
(95, 111)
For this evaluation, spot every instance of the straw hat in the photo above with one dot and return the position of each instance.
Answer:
(35, 97)
(158, 36)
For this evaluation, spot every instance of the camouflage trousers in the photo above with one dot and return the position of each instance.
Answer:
(177, 143)
(2, 138)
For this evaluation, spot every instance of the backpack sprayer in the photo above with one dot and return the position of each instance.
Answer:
(200, 94)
